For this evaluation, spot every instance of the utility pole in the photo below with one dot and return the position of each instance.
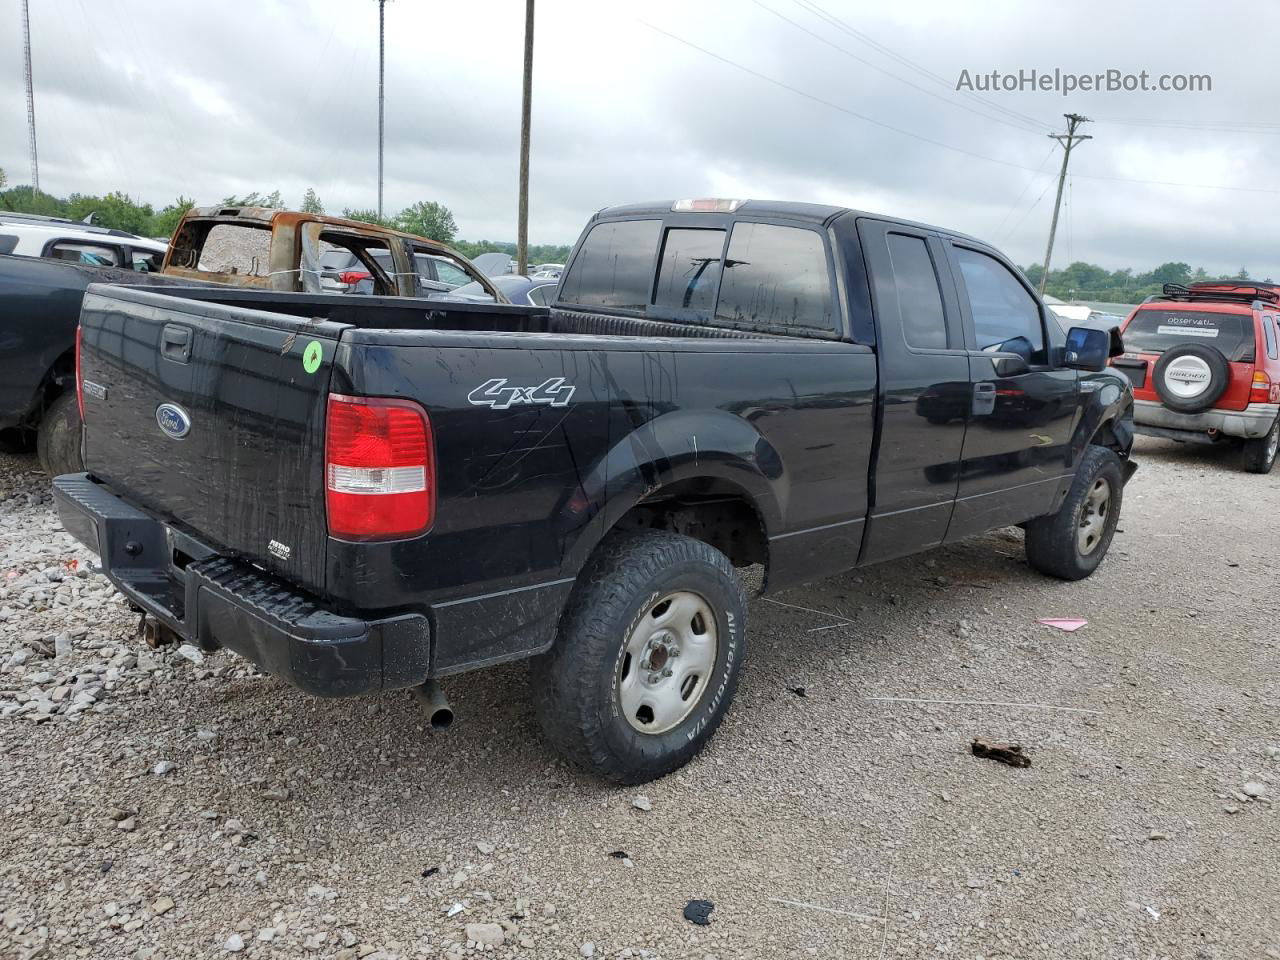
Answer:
(382, 66)
(522, 230)
(1068, 140)
(31, 101)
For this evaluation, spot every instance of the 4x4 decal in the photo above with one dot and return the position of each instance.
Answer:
(495, 393)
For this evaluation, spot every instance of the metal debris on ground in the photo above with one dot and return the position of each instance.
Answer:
(1010, 753)
(699, 912)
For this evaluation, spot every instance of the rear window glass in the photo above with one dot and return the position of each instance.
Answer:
(776, 277)
(1155, 331)
(614, 267)
(689, 269)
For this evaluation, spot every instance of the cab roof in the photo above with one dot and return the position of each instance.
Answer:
(815, 213)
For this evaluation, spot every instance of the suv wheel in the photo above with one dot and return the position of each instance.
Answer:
(1072, 542)
(58, 438)
(648, 657)
(1260, 454)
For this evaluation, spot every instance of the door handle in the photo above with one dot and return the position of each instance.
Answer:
(175, 343)
(984, 399)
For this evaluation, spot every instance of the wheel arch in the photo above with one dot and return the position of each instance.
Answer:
(712, 477)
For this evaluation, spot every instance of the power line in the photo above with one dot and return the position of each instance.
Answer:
(1018, 199)
(922, 70)
(915, 136)
(828, 103)
(1016, 125)
(1240, 126)
(1023, 219)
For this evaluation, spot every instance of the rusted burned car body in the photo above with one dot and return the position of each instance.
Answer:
(287, 255)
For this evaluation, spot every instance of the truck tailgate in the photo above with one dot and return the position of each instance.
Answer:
(212, 417)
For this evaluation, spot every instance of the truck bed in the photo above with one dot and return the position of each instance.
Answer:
(402, 313)
(203, 411)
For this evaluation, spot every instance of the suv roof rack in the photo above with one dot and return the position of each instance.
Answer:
(1225, 291)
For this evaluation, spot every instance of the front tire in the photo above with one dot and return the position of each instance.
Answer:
(1071, 543)
(1260, 454)
(648, 658)
(58, 438)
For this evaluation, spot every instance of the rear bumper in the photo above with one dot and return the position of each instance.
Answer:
(216, 601)
(1252, 422)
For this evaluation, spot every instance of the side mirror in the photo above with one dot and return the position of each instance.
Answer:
(1087, 349)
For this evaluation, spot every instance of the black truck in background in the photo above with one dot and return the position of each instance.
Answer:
(370, 493)
(39, 309)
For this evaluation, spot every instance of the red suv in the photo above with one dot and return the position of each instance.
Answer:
(1205, 365)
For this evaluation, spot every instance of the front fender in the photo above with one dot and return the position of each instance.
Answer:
(682, 445)
(1106, 399)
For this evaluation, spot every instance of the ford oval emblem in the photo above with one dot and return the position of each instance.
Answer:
(173, 420)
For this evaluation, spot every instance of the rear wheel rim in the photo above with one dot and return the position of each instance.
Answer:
(666, 665)
(1095, 512)
(1273, 441)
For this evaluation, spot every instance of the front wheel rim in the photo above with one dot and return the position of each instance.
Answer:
(1095, 512)
(667, 662)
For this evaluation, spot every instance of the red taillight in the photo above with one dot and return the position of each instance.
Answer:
(379, 468)
(352, 277)
(79, 376)
(1260, 389)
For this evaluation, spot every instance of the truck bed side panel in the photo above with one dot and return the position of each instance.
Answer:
(526, 489)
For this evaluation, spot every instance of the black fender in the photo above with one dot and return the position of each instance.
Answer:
(1106, 405)
(678, 446)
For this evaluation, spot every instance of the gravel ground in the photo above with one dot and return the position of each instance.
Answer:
(157, 807)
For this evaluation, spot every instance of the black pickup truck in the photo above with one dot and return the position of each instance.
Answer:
(361, 494)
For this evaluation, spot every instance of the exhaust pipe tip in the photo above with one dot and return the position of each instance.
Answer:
(439, 713)
(441, 719)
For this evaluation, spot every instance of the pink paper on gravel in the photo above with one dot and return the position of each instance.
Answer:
(1069, 624)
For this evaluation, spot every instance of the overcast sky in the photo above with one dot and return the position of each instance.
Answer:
(207, 99)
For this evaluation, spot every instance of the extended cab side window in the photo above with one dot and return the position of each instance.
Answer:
(614, 266)
(924, 325)
(776, 277)
(1003, 311)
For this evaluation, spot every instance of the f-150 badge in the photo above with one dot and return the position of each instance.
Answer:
(495, 393)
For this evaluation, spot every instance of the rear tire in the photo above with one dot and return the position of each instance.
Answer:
(58, 437)
(1071, 543)
(1260, 454)
(641, 596)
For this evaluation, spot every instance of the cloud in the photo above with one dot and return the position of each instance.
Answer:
(207, 100)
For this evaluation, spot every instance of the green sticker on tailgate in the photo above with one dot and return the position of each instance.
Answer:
(312, 356)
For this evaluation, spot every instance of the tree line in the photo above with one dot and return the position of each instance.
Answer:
(1088, 281)
(118, 211)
